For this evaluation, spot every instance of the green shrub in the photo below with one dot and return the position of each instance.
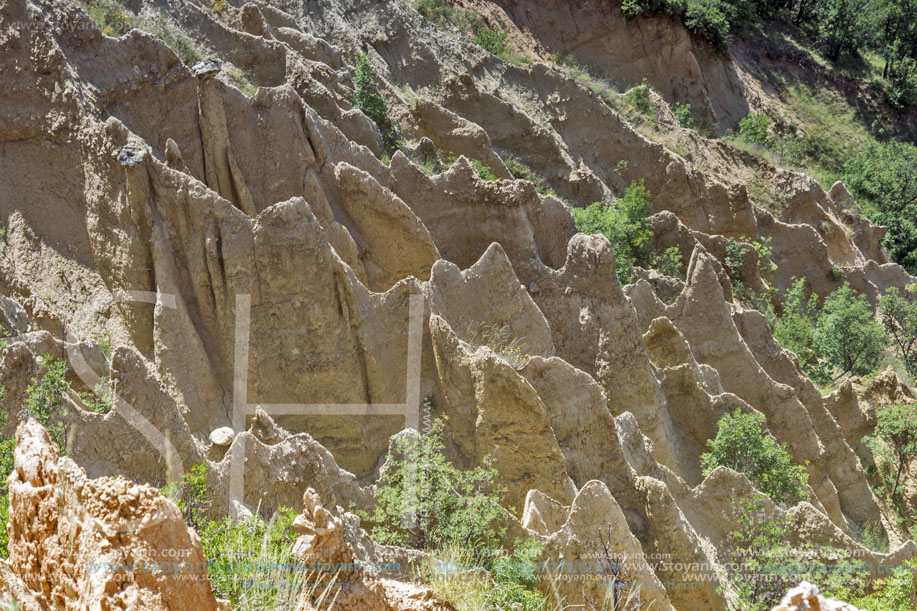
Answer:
(484, 171)
(631, 9)
(7, 451)
(442, 14)
(191, 496)
(851, 338)
(763, 566)
(742, 445)
(367, 98)
(735, 257)
(424, 502)
(625, 224)
(711, 19)
(115, 20)
(520, 171)
(98, 401)
(734, 261)
(755, 129)
(794, 329)
(896, 426)
(670, 262)
(902, 78)
(844, 338)
(497, 581)
(44, 399)
(683, 114)
(639, 97)
(706, 18)
(492, 40)
(241, 82)
(111, 16)
(899, 317)
(455, 20)
(250, 562)
(893, 593)
(175, 39)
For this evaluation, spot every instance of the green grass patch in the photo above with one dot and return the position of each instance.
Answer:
(114, 19)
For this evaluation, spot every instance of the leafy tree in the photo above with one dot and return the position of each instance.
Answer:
(626, 225)
(899, 317)
(852, 339)
(424, 502)
(367, 98)
(895, 31)
(742, 445)
(896, 425)
(883, 178)
(842, 25)
(795, 330)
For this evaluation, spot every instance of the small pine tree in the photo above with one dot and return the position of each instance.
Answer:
(425, 503)
(367, 98)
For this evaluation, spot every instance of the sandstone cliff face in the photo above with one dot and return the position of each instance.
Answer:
(260, 270)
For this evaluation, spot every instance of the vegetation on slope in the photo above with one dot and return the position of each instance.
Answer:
(835, 27)
(366, 97)
(626, 224)
(742, 444)
(424, 502)
(467, 23)
(249, 561)
(44, 401)
(114, 19)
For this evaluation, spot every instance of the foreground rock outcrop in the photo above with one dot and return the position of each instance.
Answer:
(104, 543)
(108, 543)
(341, 577)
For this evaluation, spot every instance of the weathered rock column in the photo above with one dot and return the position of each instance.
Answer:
(221, 171)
